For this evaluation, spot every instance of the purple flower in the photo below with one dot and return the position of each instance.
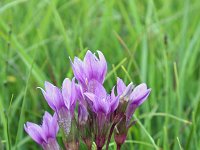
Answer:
(45, 135)
(66, 114)
(130, 99)
(91, 68)
(103, 105)
(62, 102)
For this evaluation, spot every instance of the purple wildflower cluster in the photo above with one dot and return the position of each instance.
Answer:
(100, 114)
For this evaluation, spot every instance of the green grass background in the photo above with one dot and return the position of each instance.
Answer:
(152, 41)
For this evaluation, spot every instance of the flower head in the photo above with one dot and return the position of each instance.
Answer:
(66, 114)
(45, 135)
(103, 105)
(62, 102)
(130, 99)
(91, 68)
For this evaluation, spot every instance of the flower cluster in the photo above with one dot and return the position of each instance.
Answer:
(100, 114)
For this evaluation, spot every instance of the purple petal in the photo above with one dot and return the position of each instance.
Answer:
(120, 86)
(140, 94)
(50, 126)
(45, 125)
(48, 86)
(100, 91)
(91, 65)
(101, 106)
(92, 84)
(55, 125)
(78, 69)
(53, 96)
(35, 132)
(69, 92)
(80, 94)
(103, 65)
(90, 96)
(113, 93)
(125, 96)
(97, 88)
(66, 92)
(114, 101)
(48, 99)
(82, 114)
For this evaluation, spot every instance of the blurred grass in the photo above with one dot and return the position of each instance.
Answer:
(157, 42)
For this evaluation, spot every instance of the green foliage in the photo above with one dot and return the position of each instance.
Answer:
(151, 41)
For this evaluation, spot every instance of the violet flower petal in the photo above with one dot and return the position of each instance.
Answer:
(69, 93)
(53, 96)
(114, 101)
(50, 125)
(35, 132)
(120, 86)
(138, 96)
(103, 66)
(79, 70)
(82, 114)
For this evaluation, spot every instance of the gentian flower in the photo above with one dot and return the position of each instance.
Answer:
(89, 72)
(103, 105)
(70, 96)
(62, 102)
(130, 99)
(44, 135)
(91, 68)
